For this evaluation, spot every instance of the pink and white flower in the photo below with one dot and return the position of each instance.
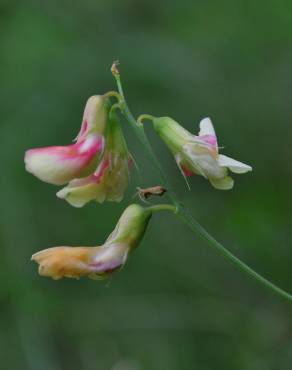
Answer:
(111, 178)
(96, 167)
(60, 164)
(199, 154)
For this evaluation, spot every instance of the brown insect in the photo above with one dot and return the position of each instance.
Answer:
(149, 192)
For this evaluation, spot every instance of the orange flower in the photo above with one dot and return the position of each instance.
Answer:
(97, 262)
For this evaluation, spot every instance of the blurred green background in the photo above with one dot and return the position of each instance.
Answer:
(176, 305)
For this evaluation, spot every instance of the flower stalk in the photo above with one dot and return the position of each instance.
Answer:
(140, 133)
(178, 208)
(162, 207)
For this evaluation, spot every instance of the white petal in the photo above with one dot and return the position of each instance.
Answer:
(206, 127)
(233, 165)
(51, 167)
(78, 196)
(196, 159)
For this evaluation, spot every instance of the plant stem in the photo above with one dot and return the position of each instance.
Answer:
(144, 117)
(113, 94)
(219, 248)
(178, 208)
(139, 130)
(162, 207)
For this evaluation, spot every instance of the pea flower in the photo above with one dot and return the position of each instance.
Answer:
(96, 167)
(59, 164)
(199, 154)
(110, 179)
(97, 262)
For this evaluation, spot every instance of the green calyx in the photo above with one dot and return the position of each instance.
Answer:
(171, 132)
(115, 139)
(131, 226)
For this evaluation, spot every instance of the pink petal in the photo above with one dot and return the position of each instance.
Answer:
(209, 139)
(101, 169)
(95, 178)
(60, 164)
(207, 132)
(82, 132)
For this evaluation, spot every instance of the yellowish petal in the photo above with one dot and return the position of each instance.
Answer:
(226, 183)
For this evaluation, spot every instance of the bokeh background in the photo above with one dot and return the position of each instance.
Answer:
(176, 305)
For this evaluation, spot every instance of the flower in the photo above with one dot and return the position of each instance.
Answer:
(110, 179)
(199, 154)
(96, 167)
(59, 164)
(97, 262)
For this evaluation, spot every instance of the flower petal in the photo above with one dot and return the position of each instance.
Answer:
(109, 257)
(94, 117)
(206, 127)
(64, 261)
(75, 262)
(233, 165)
(109, 183)
(226, 183)
(207, 132)
(60, 164)
(78, 196)
(81, 191)
(200, 159)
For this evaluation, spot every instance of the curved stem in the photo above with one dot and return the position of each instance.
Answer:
(114, 107)
(162, 207)
(144, 117)
(219, 248)
(179, 209)
(113, 94)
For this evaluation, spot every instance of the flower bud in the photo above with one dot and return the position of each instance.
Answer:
(198, 154)
(97, 262)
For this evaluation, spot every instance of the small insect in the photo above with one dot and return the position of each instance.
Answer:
(149, 192)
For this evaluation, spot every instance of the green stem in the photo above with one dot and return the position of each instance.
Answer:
(162, 207)
(144, 117)
(113, 94)
(179, 209)
(219, 248)
(114, 107)
(139, 130)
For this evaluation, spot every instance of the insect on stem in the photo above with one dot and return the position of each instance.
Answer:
(144, 194)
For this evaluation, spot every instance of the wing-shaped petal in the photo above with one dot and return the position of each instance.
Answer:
(60, 164)
(206, 127)
(233, 165)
